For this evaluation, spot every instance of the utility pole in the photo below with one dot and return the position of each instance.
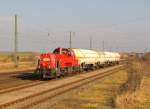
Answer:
(103, 45)
(16, 42)
(70, 42)
(110, 49)
(91, 43)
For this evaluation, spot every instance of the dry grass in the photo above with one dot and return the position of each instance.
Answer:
(97, 95)
(140, 99)
(27, 60)
(134, 93)
(23, 57)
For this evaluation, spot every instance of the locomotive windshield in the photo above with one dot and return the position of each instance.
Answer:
(56, 51)
(63, 51)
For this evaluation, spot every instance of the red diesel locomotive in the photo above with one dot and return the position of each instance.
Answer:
(65, 60)
(56, 64)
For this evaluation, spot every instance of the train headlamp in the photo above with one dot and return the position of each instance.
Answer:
(46, 59)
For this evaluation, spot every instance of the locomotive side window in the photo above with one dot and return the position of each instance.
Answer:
(65, 51)
(71, 53)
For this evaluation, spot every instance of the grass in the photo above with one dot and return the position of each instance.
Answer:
(134, 93)
(98, 95)
(140, 99)
(26, 60)
(24, 56)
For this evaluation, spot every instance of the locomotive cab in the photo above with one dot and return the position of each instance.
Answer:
(66, 57)
(66, 61)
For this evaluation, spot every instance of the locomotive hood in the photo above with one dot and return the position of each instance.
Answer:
(47, 60)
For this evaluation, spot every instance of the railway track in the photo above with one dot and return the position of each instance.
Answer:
(42, 96)
(15, 81)
(20, 86)
(16, 72)
(9, 84)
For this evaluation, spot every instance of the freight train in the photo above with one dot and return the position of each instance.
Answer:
(65, 61)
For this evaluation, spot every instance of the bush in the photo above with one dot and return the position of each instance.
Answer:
(135, 74)
(136, 69)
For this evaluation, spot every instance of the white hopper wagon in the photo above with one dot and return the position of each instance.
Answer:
(117, 57)
(102, 59)
(87, 59)
(107, 57)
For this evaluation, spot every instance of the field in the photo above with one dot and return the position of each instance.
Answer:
(26, 60)
(134, 93)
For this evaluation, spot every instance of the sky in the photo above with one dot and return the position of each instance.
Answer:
(43, 25)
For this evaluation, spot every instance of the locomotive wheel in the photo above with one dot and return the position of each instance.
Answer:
(70, 70)
(36, 72)
(39, 73)
(44, 77)
(58, 71)
(40, 76)
(58, 74)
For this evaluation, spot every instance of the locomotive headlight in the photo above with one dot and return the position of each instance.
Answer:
(46, 59)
